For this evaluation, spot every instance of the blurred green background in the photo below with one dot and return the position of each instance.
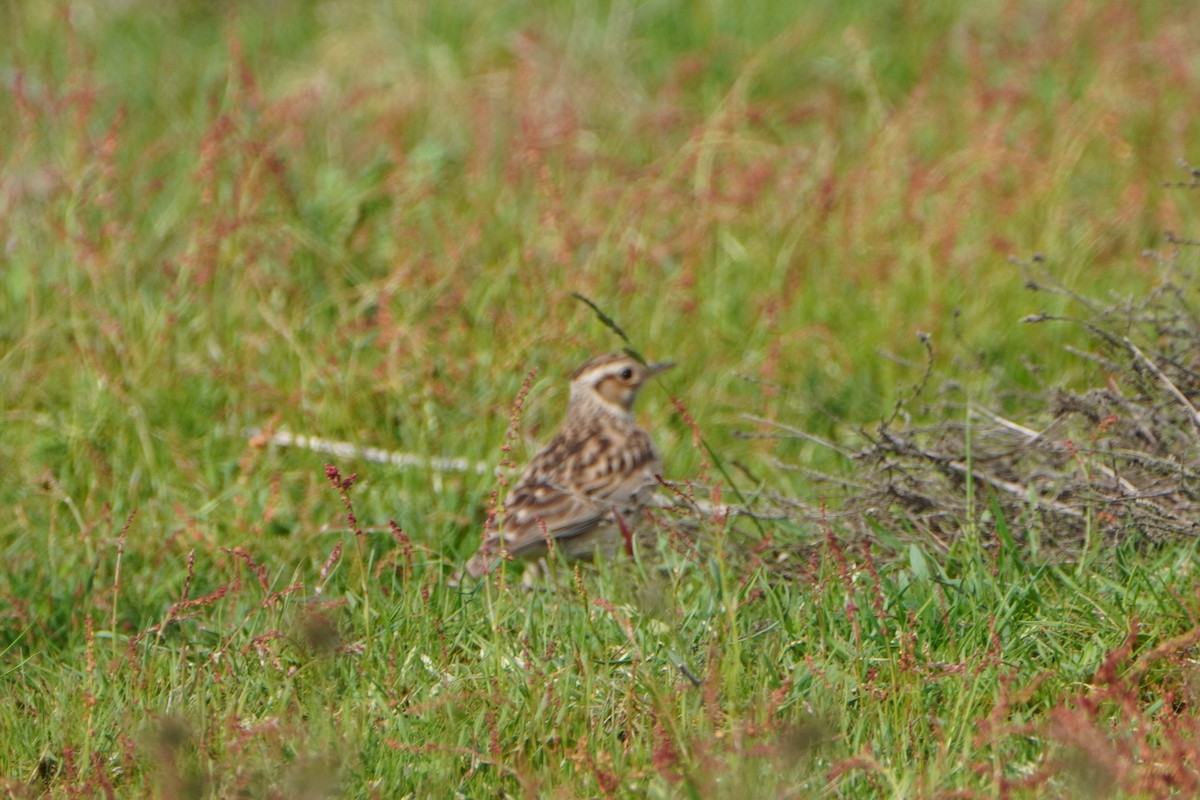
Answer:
(364, 221)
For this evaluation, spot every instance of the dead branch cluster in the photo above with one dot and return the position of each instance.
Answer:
(1115, 461)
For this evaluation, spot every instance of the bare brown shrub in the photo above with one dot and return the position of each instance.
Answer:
(1118, 460)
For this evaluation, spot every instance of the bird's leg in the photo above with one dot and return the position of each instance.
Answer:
(531, 578)
(626, 534)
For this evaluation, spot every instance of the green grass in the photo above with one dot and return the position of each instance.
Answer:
(365, 221)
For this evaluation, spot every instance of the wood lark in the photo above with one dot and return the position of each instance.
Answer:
(586, 488)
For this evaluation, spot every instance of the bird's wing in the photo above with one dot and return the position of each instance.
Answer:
(534, 513)
(539, 511)
(619, 474)
(570, 488)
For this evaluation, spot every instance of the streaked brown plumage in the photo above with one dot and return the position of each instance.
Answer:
(585, 489)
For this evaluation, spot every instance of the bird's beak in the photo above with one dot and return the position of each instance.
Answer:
(661, 366)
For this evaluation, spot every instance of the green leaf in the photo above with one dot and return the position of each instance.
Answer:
(917, 562)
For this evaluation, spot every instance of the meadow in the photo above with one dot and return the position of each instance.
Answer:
(368, 221)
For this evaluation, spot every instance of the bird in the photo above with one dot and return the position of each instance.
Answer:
(583, 490)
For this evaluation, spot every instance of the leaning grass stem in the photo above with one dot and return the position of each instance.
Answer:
(116, 588)
(343, 486)
(970, 525)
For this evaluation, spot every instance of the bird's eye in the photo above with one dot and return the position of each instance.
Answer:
(626, 374)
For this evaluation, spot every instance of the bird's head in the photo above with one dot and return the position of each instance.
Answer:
(613, 380)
